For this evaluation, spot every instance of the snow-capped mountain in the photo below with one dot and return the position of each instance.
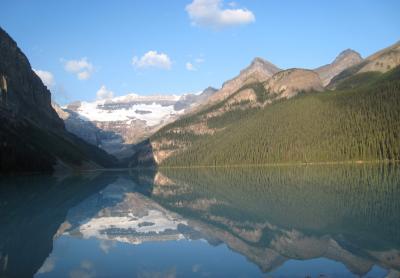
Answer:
(115, 124)
(153, 110)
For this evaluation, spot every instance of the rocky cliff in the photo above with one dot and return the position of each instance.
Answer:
(288, 83)
(26, 95)
(32, 136)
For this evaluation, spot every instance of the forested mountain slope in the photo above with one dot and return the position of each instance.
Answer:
(359, 122)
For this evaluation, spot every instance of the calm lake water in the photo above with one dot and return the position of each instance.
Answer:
(304, 221)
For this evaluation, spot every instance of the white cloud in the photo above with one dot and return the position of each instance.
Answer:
(210, 13)
(84, 75)
(199, 60)
(82, 68)
(190, 67)
(152, 59)
(47, 77)
(104, 93)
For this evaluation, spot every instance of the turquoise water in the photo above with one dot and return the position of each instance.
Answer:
(305, 221)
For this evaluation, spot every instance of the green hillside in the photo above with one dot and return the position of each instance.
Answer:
(359, 121)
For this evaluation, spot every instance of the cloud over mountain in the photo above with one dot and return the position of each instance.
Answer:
(152, 59)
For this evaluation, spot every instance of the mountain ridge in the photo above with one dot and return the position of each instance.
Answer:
(274, 82)
(163, 129)
(198, 139)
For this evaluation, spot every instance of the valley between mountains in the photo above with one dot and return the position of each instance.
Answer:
(348, 110)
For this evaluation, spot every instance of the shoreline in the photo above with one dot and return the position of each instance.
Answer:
(280, 164)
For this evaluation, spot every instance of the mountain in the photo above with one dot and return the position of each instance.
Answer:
(193, 100)
(287, 118)
(117, 123)
(212, 119)
(288, 83)
(258, 71)
(344, 60)
(32, 136)
(379, 62)
(383, 60)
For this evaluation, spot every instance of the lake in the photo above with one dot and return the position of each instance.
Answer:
(287, 221)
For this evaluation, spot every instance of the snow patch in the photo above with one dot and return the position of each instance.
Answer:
(90, 111)
(126, 108)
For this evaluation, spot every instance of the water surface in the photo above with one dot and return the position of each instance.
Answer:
(304, 221)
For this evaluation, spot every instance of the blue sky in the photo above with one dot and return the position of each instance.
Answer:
(180, 46)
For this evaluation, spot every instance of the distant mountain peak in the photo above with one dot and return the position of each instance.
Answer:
(259, 60)
(259, 70)
(260, 63)
(346, 59)
(347, 53)
(209, 90)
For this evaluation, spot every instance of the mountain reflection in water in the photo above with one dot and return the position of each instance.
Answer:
(336, 221)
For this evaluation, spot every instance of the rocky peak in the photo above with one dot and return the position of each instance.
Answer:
(259, 64)
(209, 91)
(344, 60)
(259, 70)
(347, 54)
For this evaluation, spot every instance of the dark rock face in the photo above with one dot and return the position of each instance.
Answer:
(26, 95)
(32, 136)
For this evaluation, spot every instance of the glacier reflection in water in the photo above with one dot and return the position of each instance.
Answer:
(304, 221)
